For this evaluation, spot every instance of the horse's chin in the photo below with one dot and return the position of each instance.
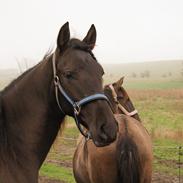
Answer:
(100, 144)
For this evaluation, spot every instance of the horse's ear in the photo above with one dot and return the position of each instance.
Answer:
(91, 36)
(120, 82)
(63, 36)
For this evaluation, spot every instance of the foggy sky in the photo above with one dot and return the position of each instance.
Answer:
(127, 30)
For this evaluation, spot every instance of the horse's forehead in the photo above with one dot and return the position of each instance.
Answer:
(75, 58)
(123, 91)
(76, 54)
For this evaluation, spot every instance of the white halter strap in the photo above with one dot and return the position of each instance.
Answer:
(114, 94)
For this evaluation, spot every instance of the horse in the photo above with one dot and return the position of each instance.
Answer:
(67, 81)
(126, 160)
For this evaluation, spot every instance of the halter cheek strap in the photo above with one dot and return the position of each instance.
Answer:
(114, 94)
(76, 105)
(126, 112)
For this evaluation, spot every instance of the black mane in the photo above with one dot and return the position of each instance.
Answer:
(2, 127)
(0, 109)
(13, 83)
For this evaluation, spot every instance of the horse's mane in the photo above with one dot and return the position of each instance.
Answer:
(19, 78)
(15, 81)
(1, 116)
(3, 139)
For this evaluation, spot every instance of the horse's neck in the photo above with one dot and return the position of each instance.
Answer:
(3, 137)
(0, 110)
(30, 119)
(132, 108)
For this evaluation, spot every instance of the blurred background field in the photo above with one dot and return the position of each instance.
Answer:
(156, 89)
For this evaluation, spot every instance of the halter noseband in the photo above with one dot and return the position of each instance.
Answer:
(76, 105)
(114, 94)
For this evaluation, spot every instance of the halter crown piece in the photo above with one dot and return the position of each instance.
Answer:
(76, 105)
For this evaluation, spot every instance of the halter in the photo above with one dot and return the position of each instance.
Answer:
(115, 96)
(76, 105)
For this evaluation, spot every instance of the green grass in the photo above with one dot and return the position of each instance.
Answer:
(71, 132)
(153, 84)
(57, 172)
(161, 114)
(166, 149)
(166, 142)
(170, 170)
(166, 156)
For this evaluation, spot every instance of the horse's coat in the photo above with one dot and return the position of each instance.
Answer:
(126, 160)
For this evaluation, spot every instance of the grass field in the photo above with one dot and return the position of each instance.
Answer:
(160, 105)
(150, 85)
(160, 109)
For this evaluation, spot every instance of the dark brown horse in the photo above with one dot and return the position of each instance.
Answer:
(33, 106)
(128, 159)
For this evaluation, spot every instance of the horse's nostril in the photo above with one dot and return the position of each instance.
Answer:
(103, 134)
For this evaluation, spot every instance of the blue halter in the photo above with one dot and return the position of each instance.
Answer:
(75, 104)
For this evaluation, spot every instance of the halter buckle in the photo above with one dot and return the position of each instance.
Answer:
(88, 136)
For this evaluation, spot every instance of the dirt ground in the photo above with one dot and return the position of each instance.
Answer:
(157, 178)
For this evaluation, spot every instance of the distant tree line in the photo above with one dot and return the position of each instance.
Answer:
(144, 74)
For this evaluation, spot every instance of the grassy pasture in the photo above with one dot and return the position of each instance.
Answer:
(161, 112)
(159, 101)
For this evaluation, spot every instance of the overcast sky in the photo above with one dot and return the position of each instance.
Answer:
(127, 30)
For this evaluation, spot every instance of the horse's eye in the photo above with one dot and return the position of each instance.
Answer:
(68, 75)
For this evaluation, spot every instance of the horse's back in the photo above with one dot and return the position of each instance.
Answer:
(136, 131)
(139, 135)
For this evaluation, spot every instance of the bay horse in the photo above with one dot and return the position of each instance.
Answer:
(126, 160)
(32, 108)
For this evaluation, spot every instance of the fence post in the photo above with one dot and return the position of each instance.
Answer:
(180, 147)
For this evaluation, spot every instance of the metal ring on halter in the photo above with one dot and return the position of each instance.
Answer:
(88, 137)
(56, 80)
(77, 109)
